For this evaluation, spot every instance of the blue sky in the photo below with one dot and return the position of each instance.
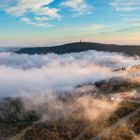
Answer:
(51, 22)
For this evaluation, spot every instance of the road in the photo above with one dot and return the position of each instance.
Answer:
(108, 129)
(119, 122)
(20, 135)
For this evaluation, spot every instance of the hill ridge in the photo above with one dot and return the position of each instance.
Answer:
(82, 46)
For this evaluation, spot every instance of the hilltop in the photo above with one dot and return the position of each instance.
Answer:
(82, 46)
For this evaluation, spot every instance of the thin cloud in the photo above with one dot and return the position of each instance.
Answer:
(94, 27)
(39, 24)
(133, 22)
(125, 5)
(80, 7)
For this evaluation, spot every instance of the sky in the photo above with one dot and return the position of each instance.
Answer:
(53, 22)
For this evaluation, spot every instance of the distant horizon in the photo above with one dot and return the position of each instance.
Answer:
(60, 44)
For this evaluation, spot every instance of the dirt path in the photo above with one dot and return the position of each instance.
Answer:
(107, 130)
(120, 122)
(20, 135)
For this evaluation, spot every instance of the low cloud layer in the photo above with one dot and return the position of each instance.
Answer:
(34, 74)
(46, 83)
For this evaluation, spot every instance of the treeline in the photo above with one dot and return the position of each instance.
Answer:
(12, 110)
